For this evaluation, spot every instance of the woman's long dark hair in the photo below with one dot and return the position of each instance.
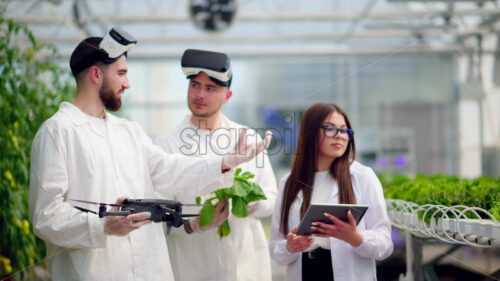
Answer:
(304, 163)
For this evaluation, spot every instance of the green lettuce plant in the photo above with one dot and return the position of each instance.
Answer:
(242, 192)
(482, 192)
(495, 211)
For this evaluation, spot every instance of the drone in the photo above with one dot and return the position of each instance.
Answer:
(162, 210)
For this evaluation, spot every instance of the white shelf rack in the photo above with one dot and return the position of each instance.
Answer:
(451, 224)
(458, 224)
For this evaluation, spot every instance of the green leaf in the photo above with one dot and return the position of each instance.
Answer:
(207, 215)
(247, 175)
(11, 25)
(10, 55)
(240, 193)
(224, 229)
(237, 172)
(256, 191)
(239, 207)
(238, 189)
(32, 38)
(254, 197)
(253, 191)
(221, 194)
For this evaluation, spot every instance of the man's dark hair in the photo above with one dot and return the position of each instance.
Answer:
(86, 54)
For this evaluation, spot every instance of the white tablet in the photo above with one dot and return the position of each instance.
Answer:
(315, 212)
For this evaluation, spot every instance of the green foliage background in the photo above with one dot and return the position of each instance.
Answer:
(31, 89)
(483, 192)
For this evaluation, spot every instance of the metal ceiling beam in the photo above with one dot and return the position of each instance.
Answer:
(362, 15)
(280, 51)
(442, 1)
(58, 19)
(372, 34)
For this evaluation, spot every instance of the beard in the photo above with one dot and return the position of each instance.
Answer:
(109, 98)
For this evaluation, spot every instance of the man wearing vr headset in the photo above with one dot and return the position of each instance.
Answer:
(244, 254)
(86, 153)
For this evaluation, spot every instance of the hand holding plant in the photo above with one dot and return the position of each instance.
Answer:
(242, 192)
(221, 213)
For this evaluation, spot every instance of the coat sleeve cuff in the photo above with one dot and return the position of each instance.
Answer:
(375, 245)
(365, 248)
(96, 231)
(213, 179)
(226, 176)
(282, 255)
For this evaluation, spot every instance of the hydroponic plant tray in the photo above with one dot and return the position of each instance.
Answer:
(452, 224)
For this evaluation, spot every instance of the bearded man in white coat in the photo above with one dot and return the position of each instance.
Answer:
(86, 153)
(198, 253)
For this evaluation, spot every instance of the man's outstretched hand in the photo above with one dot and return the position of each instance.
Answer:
(245, 152)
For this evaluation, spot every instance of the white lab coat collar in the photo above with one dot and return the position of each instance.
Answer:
(335, 193)
(225, 125)
(332, 197)
(80, 118)
(225, 122)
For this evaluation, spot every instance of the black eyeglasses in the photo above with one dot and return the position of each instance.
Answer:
(331, 131)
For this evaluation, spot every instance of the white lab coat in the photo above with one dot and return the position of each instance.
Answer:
(244, 254)
(72, 158)
(349, 263)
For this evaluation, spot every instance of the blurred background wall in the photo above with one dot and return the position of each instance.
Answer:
(418, 79)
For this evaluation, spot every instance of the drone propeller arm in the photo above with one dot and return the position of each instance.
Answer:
(117, 213)
(85, 210)
(170, 210)
(190, 215)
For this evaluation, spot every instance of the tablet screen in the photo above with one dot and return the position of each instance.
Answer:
(315, 212)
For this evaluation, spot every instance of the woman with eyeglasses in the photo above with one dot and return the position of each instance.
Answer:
(324, 171)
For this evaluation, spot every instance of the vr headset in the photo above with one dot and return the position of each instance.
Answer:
(116, 43)
(108, 49)
(216, 65)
